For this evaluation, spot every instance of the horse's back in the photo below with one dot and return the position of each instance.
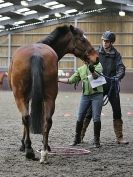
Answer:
(37, 48)
(20, 69)
(23, 55)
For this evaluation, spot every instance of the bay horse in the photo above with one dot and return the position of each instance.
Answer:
(33, 78)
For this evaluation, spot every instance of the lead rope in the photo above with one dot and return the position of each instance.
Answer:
(115, 83)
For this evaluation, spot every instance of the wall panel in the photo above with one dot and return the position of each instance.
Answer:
(93, 27)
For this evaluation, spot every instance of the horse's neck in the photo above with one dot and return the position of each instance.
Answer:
(59, 53)
(61, 49)
(60, 45)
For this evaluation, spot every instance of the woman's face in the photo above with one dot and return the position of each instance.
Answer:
(106, 44)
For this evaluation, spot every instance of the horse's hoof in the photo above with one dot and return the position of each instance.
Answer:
(43, 162)
(49, 149)
(22, 149)
(30, 154)
(36, 159)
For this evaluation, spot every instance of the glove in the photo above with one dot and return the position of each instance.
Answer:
(115, 78)
(91, 68)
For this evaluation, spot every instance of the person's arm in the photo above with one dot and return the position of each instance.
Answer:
(63, 80)
(74, 79)
(120, 68)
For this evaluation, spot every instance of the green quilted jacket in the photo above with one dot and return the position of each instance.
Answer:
(81, 75)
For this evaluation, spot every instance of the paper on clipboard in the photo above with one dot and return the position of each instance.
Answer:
(96, 82)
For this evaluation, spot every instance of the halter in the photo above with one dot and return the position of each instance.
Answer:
(84, 52)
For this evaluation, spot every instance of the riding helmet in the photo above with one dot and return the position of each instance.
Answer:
(108, 35)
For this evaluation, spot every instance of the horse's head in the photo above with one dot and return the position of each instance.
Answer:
(82, 48)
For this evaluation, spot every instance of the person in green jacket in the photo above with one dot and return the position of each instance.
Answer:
(90, 96)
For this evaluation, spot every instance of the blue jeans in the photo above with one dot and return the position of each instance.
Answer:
(96, 101)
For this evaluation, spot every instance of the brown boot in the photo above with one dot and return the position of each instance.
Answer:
(77, 139)
(118, 131)
(85, 125)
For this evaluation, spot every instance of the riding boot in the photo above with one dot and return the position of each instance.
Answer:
(118, 131)
(77, 139)
(97, 129)
(85, 125)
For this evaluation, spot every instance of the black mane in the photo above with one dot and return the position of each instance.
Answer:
(54, 35)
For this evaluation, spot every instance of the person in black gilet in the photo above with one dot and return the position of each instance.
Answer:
(113, 66)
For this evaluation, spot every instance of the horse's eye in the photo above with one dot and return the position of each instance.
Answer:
(82, 39)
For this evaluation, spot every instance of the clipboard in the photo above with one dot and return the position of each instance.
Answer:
(96, 82)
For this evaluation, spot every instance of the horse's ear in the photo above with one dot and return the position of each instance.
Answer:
(72, 29)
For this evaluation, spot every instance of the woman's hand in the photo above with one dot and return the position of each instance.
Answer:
(91, 68)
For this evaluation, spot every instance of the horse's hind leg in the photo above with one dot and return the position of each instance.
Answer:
(28, 149)
(26, 142)
(49, 108)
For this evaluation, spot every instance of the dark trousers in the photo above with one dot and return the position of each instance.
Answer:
(114, 99)
(116, 108)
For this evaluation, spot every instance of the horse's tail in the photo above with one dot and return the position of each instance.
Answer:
(36, 94)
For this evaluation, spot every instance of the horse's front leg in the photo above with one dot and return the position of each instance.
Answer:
(49, 107)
